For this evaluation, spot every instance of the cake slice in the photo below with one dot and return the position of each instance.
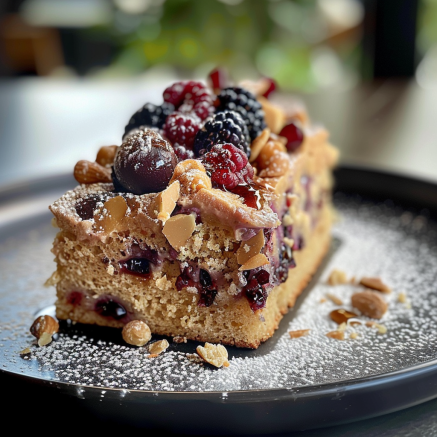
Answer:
(207, 222)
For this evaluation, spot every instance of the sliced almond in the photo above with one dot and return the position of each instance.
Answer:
(258, 143)
(111, 215)
(167, 201)
(334, 299)
(250, 248)
(369, 303)
(375, 284)
(87, 172)
(178, 229)
(254, 262)
(299, 333)
(337, 335)
(274, 115)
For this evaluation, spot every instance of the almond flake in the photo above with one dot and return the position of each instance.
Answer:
(178, 229)
(334, 299)
(337, 277)
(254, 262)
(167, 201)
(253, 246)
(258, 143)
(299, 333)
(113, 212)
(337, 335)
(375, 284)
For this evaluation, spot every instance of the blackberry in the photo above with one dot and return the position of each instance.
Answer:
(244, 102)
(149, 115)
(225, 127)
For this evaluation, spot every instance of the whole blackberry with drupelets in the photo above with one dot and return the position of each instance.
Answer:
(244, 102)
(225, 127)
(149, 115)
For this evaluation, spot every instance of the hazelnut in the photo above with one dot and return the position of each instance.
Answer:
(43, 329)
(136, 333)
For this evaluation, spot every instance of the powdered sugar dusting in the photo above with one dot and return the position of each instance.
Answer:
(380, 240)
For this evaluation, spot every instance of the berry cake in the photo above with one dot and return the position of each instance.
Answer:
(206, 222)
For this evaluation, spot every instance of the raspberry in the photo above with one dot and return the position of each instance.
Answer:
(217, 78)
(182, 153)
(224, 127)
(244, 102)
(181, 129)
(149, 115)
(227, 166)
(190, 96)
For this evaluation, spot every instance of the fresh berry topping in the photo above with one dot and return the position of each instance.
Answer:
(244, 102)
(144, 163)
(190, 96)
(136, 266)
(182, 153)
(294, 136)
(108, 307)
(85, 207)
(218, 79)
(149, 115)
(255, 292)
(227, 166)
(181, 129)
(286, 262)
(272, 87)
(224, 127)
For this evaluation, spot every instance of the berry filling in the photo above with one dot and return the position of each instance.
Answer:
(286, 262)
(250, 195)
(135, 266)
(255, 290)
(294, 136)
(227, 166)
(74, 298)
(202, 281)
(190, 96)
(108, 307)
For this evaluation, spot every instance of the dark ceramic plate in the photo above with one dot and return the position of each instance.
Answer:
(89, 378)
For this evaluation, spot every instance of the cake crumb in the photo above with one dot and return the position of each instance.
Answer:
(215, 354)
(298, 333)
(179, 339)
(110, 269)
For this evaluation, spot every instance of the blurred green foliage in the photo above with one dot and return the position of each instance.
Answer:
(284, 39)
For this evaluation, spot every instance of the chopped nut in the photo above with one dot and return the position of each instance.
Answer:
(136, 333)
(375, 284)
(289, 242)
(370, 304)
(87, 172)
(214, 354)
(43, 329)
(299, 333)
(178, 229)
(402, 297)
(158, 347)
(322, 300)
(193, 181)
(353, 335)
(167, 200)
(342, 327)
(112, 214)
(250, 248)
(382, 329)
(337, 335)
(254, 262)
(106, 155)
(25, 351)
(337, 277)
(152, 355)
(334, 299)
(258, 143)
(341, 315)
(273, 114)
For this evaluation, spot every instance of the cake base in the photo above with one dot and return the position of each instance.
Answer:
(229, 321)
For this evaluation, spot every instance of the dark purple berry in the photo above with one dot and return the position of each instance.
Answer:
(244, 102)
(149, 115)
(224, 127)
(286, 262)
(138, 266)
(255, 292)
(108, 307)
(85, 207)
(144, 163)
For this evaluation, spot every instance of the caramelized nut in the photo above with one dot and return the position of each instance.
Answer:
(337, 335)
(87, 172)
(167, 201)
(250, 248)
(254, 262)
(258, 143)
(375, 284)
(341, 315)
(370, 304)
(267, 152)
(274, 115)
(214, 354)
(178, 229)
(185, 166)
(43, 329)
(299, 333)
(277, 166)
(106, 155)
(136, 333)
(193, 181)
